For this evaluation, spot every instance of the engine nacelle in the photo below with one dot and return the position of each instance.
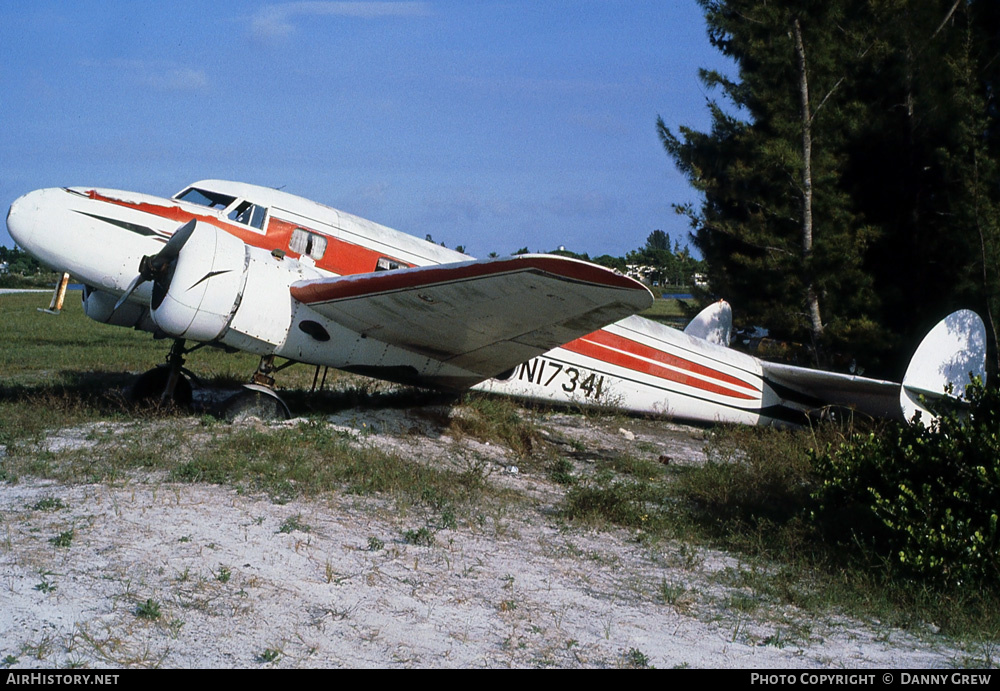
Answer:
(204, 287)
(221, 289)
(100, 306)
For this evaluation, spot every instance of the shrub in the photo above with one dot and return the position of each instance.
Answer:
(927, 497)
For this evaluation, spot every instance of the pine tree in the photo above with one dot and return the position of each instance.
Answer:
(776, 228)
(850, 178)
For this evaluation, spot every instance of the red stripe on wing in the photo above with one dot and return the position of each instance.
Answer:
(405, 279)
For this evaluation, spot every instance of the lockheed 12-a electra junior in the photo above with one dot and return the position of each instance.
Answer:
(259, 270)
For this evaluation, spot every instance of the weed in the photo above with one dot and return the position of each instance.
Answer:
(636, 659)
(493, 419)
(223, 574)
(45, 586)
(448, 520)
(63, 539)
(269, 655)
(741, 602)
(294, 523)
(671, 592)
(423, 537)
(561, 471)
(48, 504)
(508, 606)
(775, 640)
(174, 627)
(8, 661)
(374, 544)
(751, 475)
(149, 610)
(40, 650)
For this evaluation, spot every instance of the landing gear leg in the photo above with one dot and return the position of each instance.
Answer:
(167, 382)
(257, 399)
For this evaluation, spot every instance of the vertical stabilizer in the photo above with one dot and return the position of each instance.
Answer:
(951, 354)
(713, 324)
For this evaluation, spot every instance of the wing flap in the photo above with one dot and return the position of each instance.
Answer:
(484, 316)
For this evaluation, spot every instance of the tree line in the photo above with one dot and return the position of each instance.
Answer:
(656, 262)
(18, 262)
(851, 175)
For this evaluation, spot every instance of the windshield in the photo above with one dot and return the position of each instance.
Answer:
(212, 200)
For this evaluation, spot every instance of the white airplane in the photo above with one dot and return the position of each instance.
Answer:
(255, 269)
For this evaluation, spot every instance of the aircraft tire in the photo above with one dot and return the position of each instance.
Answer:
(253, 402)
(150, 385)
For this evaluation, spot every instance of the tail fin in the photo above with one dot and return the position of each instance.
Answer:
(951, 354)
(713, 324)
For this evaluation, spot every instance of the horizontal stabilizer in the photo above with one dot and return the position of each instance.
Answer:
(483, 316)
(812, 390)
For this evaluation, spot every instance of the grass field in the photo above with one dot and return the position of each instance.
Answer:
(670, 312)
(59, 348)
(65, 370)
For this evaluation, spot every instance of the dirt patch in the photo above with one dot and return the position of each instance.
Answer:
(147, 572)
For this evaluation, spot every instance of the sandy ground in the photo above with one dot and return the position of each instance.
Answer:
(511, 589)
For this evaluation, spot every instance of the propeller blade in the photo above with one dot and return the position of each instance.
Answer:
(173, 246)
(128, 292)
(152, 266)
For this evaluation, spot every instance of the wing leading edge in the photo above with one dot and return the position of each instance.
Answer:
(483, 316)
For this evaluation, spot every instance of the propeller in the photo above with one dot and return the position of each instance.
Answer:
(157, 267)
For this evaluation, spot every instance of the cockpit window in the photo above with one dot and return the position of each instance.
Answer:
(250, 214)
(212, 200)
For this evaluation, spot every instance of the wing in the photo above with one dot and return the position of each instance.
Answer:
(483, 316)
(808, 390)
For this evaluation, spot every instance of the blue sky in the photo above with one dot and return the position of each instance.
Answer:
(492, 124)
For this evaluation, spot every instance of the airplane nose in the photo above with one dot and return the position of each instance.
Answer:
(22, 218)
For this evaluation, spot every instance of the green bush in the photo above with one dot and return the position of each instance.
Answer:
(926, 497)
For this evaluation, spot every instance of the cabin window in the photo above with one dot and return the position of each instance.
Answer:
(249, 214)
(307, 244)
(212, 200)
(386, 264)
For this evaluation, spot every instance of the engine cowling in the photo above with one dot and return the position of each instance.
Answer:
(99, 305)
(203, 287)
(221, 289)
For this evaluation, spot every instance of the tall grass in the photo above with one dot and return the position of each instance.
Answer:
(754, 496)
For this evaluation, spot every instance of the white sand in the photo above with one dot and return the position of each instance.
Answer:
(500, 589)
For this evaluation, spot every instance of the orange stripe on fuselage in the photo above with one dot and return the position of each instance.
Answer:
(624, 352)
(343, 258)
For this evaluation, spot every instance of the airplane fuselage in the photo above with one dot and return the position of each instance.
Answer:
(275, 240)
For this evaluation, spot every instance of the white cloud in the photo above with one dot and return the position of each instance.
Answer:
(275, 22)
(156, 74)
(181, 79)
